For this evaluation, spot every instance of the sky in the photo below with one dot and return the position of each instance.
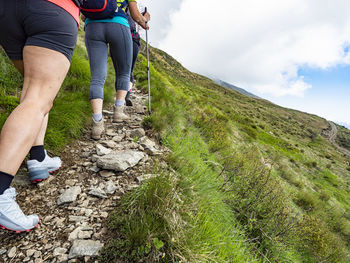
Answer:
(295, 53)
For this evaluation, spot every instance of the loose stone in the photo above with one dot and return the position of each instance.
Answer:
(83, 248)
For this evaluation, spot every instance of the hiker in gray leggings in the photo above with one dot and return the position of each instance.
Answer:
(115, 34)
(97, 38)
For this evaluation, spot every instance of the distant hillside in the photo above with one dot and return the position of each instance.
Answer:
(344, 124)
(230, 86)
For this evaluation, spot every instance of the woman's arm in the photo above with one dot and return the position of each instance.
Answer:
(137, 16)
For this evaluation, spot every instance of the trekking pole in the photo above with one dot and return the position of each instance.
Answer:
(148, 72)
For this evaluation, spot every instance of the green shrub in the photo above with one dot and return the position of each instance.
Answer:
(306, 200)
(324, 196)
(319, 241)
(261, 205)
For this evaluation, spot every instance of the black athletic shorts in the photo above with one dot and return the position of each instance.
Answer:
(36, 23)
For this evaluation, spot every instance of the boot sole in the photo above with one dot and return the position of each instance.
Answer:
(119, 121)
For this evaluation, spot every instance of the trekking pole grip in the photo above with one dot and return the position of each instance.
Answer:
(144, 12)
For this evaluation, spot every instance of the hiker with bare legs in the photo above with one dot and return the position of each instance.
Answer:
(113, 31)
(39, 36)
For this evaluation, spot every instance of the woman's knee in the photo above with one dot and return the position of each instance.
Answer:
(43, 106)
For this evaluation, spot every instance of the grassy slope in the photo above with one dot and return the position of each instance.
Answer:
(222, 204)
(282, 183)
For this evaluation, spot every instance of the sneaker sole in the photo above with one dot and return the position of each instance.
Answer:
(37, 181)
(18, 231)
(51, 172)
(40, 180)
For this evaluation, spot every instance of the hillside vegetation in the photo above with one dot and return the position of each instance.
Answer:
(253, 182)
(248, 181)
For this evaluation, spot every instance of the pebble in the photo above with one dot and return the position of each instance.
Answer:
(12, 252)
(30, 252)
(106, 174)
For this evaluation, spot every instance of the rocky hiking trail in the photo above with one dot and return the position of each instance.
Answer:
(331, 135)
(74, 203)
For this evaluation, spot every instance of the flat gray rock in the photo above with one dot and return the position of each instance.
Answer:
(81, 248)
(109, 144)
(118, 138)
(101, 150)
(70, 195)
(110, 187)
(98, 192)
(137, 133)
(120, 161)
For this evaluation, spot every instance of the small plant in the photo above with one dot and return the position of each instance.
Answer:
(324, 196)
(147, 123)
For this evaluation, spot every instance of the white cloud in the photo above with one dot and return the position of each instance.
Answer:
(160, 11)
(258, 45)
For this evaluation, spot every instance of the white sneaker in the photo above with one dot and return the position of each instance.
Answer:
(11, 215)
(39, 171)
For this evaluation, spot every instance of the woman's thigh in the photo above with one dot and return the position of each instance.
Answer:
(97, 49)
(119, 38)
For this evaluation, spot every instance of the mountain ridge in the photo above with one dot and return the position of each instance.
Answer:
(240, 90)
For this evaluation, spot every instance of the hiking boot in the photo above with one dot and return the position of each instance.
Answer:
(39, 171)
(97, 129)
(128, 101)
(11, 215)
(119, 115)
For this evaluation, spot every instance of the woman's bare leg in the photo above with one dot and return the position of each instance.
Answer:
(41, 136)
(44, 72)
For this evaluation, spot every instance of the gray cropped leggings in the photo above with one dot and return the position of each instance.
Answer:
(98, 36)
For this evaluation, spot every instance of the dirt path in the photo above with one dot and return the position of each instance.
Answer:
(74, 203)
(332, 135)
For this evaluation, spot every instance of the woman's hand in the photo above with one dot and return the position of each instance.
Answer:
(138, 17)
(147, 16)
